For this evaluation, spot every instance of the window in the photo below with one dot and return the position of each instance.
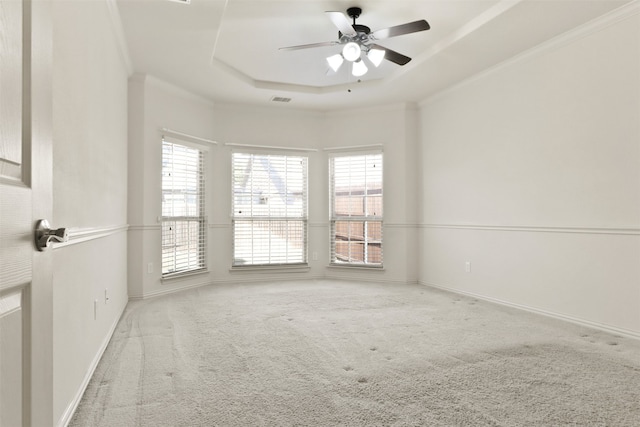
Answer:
(356, 209)
(183, 220)
(269, 209)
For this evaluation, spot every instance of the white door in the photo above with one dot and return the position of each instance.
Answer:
(26, 333)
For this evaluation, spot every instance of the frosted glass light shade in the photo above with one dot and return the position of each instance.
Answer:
(376, 56)
(351, 51)
(359, 68)
(335, 61)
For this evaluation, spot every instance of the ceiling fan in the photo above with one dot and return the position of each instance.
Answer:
(359, 42)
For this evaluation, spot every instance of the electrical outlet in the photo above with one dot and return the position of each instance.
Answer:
(150, 268)
(467, 266)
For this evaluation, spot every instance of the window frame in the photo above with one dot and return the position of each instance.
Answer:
(366, 219)
(200, 218)
(237, 218)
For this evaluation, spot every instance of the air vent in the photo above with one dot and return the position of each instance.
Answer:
(181, 1)
(280, 99)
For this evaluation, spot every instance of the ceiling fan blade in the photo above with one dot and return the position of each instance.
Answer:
(398, 30)
(341, 21)
(307, 46)
(392, 55)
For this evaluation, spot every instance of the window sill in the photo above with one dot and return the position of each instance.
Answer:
(271, 268)
(186, 274)
(357, 267)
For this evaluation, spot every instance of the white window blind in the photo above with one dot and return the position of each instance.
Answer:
(269, 209)
(356, 209)
(183, 216)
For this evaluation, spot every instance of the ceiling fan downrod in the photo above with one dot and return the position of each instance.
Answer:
(354, 12)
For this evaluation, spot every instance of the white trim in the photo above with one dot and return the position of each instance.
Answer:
(162, 292)
(271, 268)
(192, 138)
(286, 87)
(173, 89)
(476, 24)
(355, 266)
(246, 279)
(358, 148)
(382, 108)
(145, 227)
(633, 231)
(121, 40)
(571, 319)
(268, 147)
(584, 30)
(309, 224)
(399, 225)
(81, 235)
(16, 182)
(362, 278)
(10, 301)
(172, 277)
(273, 109)
(73, 405)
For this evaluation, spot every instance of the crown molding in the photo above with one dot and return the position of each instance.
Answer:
(171, 88)
(613, 17)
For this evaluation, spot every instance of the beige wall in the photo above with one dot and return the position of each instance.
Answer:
(89, 192)
(532, 174)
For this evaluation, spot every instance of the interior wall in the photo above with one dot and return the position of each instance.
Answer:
(394, 129)
(155, 105)
(89, 193)
(539, 190)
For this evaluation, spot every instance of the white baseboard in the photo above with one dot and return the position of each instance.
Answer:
(262, 278)
(582, 322)
(245, 280)
(73, 405)
(345, 277)
(172, 290)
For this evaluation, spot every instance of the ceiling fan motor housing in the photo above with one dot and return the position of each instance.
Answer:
(362, 30)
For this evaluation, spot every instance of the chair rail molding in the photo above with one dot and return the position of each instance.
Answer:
(538, 229)
(81, 235)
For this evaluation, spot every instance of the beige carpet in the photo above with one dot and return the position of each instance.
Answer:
(325, 353)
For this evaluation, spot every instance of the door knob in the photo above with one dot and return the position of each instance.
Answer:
(44, 234)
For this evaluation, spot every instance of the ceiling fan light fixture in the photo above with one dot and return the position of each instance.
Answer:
(376, 56)
(359, 68)
(351, 51)
(335, 61)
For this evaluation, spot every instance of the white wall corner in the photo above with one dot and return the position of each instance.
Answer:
(118, 31)
(176, 90)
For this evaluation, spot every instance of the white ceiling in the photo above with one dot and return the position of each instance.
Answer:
(228, 50)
